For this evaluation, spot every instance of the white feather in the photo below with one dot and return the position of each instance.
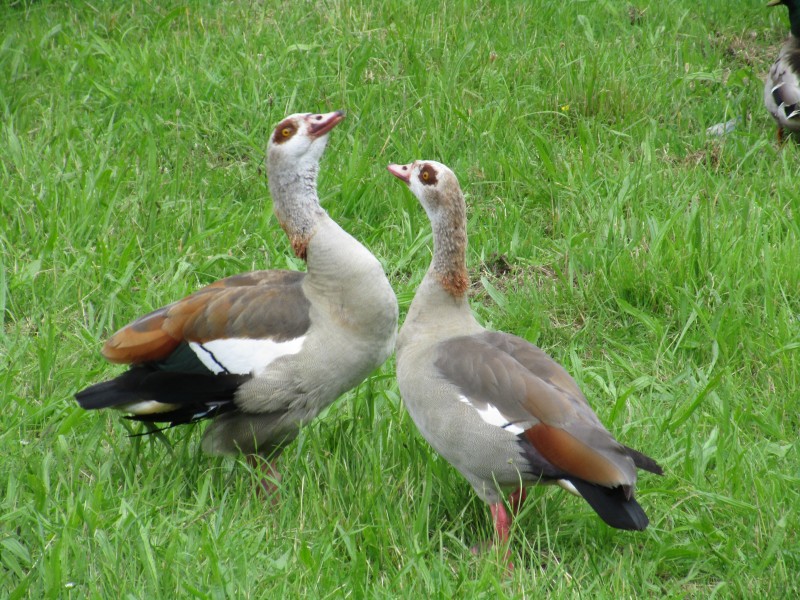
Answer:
(567, 485)
(243, 356)
(492, 416)
(146, 407)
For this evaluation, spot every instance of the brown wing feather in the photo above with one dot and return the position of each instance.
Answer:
(540, 364)
(544, 367)
(258, 305)
(257, 278)
(143, 340)
(484, 369)
(573, 456)
(538, 395)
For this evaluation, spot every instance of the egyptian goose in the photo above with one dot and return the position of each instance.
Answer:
(262, 353)
(782, 87)
(499, 409)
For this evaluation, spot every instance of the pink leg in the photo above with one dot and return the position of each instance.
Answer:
(271, 477)
(502, 521)
(502, 526)
(516, 499)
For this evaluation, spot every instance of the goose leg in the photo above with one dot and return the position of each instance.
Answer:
(271, 477)
(502, 526)
(516, 499)
(502, 521)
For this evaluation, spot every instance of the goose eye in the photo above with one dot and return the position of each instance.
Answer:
(283, 132)
(427, 175)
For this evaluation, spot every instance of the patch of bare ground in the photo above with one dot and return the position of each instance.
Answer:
(709, 156)
(508, 277)
(746, 49)
(636, 15)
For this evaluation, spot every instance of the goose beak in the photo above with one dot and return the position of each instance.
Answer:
(320, 124)
(402, 172)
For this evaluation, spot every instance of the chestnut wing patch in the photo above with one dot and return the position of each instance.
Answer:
(535, 404)
(262, 305)
(188, 359)
(485, 370)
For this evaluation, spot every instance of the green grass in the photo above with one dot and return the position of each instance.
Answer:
(659, 265)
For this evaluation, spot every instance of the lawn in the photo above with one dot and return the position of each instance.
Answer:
(658, 264)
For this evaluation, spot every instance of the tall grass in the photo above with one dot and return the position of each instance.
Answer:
(657, 264)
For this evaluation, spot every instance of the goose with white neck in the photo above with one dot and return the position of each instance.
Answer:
(498, 408)
(262, 353)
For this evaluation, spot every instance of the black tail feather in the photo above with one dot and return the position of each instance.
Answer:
(611, 505)
(195, 396)
(642, 461)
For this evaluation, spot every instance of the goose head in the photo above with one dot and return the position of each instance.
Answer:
(437, 189)
(300, 139)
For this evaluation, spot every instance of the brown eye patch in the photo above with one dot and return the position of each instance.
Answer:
(427, 175)
(284, 131)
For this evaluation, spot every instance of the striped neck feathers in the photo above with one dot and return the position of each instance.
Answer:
(295, 201)
(449, 265)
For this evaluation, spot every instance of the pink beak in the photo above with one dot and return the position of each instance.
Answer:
(320, 124)
(402, 172)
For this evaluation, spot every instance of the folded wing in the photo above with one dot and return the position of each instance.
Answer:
(189, 358)
(514, 385)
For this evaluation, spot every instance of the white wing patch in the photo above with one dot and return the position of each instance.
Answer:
(243, 356)
(567, 485)
(146, 407)
(492, 416)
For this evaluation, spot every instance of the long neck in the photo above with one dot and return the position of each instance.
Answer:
(436, 312)
(295, 202)
(440, 303)
(449, 223)
(449, 264)
(347, 282)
